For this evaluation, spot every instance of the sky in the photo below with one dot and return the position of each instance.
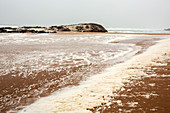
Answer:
(109, 13)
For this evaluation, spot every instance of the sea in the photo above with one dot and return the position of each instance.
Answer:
(44, 73)
(137, 30)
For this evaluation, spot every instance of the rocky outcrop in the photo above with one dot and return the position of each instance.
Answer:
(26, 29)
(167, 29)
(87, 27)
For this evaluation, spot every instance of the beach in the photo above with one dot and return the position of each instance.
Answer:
(142, 93)
(84, 56)
(47, 74)
(119, 33)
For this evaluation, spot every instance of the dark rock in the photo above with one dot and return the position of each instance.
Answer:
(63, 28)
(79, 28)
(86, 27)
(41, 32)
(6, 28)
(2, 30)
(167, 29)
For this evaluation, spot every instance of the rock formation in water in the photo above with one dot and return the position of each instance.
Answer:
(167, 29)
(87, 27)
(26, 29)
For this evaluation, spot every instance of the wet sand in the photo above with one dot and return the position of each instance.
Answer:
(144, 44)
(145, 93)
(19, 90)
(77, 33)
(21, 87)
(89, 93)
(21, 94)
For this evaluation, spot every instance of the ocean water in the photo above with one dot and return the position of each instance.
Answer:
(134, 30)
(60, 72)
(12, 26)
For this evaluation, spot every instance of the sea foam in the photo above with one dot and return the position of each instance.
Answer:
(90, 92)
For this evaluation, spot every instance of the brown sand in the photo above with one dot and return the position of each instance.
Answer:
(144, 44)
(77, 33)
(145, 94)
(15, 91)
(15, 84)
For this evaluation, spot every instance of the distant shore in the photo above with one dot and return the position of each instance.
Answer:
(74, 33)
(84, 33)
(82, 28)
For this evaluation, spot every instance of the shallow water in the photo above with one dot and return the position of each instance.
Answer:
(34, 66)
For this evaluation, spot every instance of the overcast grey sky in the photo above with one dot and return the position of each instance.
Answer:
(110, 13)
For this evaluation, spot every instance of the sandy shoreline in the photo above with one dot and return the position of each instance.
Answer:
(97, 33)
(77, 96)
(78, 33)
(90, 94)
(143, 93)
(64, 33)
(23, 91)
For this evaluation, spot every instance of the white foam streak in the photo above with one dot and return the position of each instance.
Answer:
(89, 93)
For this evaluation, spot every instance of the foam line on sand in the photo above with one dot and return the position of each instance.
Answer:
(90, 92)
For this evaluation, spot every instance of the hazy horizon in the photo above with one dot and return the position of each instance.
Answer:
(110, 13)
